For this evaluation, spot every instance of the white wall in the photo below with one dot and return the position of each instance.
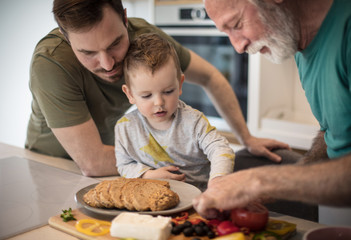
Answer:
(22, 25)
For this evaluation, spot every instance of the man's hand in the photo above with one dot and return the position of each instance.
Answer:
(165, 172)
(263, 147)
(226, 193)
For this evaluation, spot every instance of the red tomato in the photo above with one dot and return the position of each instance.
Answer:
(213, 222)
(254, 216)
(226, 227)
(195, 221)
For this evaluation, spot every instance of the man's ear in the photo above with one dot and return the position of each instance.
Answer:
(181, 81)
(128, 93)
(125, 18)
(64, 34)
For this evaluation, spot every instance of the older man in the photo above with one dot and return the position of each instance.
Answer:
(319, 34)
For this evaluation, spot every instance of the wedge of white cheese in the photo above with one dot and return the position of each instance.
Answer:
(141, 227)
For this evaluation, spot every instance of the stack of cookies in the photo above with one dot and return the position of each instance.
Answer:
(134, 194)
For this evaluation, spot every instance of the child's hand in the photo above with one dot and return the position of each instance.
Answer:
(166, 173)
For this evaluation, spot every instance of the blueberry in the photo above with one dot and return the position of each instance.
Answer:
(177, 229)
(211, 234)
(187, 224)
(182, 226)
(199, 231)
(206, 228)
(188, 231)
(202, 224)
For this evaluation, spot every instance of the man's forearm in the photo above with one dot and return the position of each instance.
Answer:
(325, 182)
(110, 162)
(82, 142)
(103, 164)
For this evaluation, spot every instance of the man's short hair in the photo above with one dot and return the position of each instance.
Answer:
(80, 15)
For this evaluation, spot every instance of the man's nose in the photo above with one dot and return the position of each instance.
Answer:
(239, 43)
(106, 61)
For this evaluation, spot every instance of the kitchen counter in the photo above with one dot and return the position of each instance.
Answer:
(46, 232)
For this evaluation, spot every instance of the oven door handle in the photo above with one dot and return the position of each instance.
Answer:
(189, 31)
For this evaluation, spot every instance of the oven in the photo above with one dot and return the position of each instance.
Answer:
(190, 25)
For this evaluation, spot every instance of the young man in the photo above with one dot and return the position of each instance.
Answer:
(319, 32)
(76, 78)
(163, 134)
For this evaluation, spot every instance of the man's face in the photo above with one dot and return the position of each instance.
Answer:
(250, 28)
(102, 48)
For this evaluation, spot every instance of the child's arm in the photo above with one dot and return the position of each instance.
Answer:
(166, 172)
(217, 149)
(127, 165)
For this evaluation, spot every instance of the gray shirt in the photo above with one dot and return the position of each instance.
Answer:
(191, 144)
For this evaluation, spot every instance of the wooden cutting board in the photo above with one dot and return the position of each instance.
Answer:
(69, 227)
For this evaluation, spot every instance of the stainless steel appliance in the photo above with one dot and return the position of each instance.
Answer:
(190, 25)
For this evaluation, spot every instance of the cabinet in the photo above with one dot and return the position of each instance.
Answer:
(146, 8)
(277, 106)
(140, 8)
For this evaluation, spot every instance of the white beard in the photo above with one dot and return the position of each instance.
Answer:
(279, 49)
(281, 37)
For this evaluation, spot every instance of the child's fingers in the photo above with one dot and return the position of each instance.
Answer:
(178, 177)
(171, 168)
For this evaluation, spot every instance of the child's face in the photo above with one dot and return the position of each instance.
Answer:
(156, 96)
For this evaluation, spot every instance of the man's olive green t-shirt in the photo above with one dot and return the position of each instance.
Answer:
(67, 94)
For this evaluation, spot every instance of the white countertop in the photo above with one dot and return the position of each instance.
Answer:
(46, 232)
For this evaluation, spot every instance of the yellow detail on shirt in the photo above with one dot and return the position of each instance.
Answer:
(227, 155)
(156, 151)
(123, 119)
(209, 127)
(144, 169)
